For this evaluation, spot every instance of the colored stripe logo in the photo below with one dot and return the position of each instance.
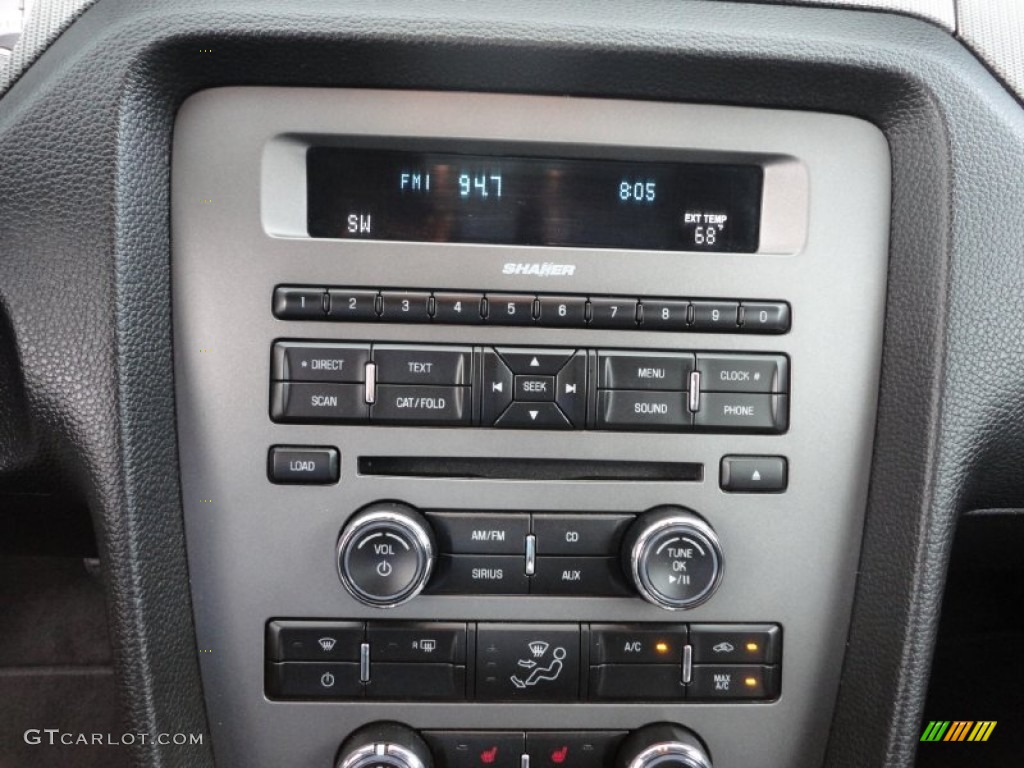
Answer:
(958, 730)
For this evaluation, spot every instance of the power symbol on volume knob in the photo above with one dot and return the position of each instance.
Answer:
(385, 554)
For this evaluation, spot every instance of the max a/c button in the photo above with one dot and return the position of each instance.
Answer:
(296, 464)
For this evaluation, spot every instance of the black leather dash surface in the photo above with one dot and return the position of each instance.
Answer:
(84, 269)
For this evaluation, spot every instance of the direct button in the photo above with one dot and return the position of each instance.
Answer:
(307, 361)
(421, 405)
(743, 373)
(535, 388)
(461, 533)
(298, 464)
(645, 644)
(597, 534)
(736, 643)
(399, 364)
(644, 370)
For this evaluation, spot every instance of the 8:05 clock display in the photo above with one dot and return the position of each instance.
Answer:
(384, 194)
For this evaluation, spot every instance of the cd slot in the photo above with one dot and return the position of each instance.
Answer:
(479, 468)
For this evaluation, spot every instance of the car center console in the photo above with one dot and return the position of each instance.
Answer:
(523, 431)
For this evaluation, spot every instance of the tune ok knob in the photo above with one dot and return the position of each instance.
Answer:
(664, 745)
(384, 745)
(386, 554)
(673, 557)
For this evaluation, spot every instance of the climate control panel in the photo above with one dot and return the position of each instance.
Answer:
(509, 662)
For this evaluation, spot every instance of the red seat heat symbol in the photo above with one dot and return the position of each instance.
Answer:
(559, 755)
(488, 756)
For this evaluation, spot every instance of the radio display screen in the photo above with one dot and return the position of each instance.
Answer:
(361, 194)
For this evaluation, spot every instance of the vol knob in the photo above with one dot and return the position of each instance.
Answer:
(664, 745)
(384, 745)
(673, 557)
(386, 554)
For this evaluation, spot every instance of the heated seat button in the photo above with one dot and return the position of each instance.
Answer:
(352, 304)
(308, 361)
(299, 303)
(642, 410)
(421, 405)
(572, 749)
(476, 749)
(462, 533)
(458, 308)
(480, 575)
(644, 370)
(613, 313)
(510, 309)
(581, 534)
(405, 306)
(641, 644)
(313, 680)
(544, 362)
(314, 640)
(524, 662)
(578, 576)
(765, 317)
(532, 415)
(722, 316)
(743, 373)
(299, 465)
(568, 311)
(497, 388)
(399, 364)
(754, 474)
(637, 682)
(713, 682)
(664, 315)
(736, 643)
(743, 412)
(416, 682)
(318, 403)
(435, 642)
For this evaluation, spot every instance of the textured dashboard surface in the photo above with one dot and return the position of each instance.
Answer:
(85, 138)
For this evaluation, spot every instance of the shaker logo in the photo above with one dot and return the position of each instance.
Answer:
(547, 269)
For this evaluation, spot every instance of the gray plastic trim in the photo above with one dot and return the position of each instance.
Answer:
(258, 551)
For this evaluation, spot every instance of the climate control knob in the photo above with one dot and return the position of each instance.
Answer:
(673, 557)
(664, 745)
(386, 554)
(384, 745)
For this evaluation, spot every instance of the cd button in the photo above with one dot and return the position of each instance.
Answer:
(422, 364)
(405, 306)
(352, 304)
(535, 388)
(533, 416)
(569, 311)
(642, 410)
(421, 405)
(458, 308)
(664, 315)
(720, 316)
(613, 313)
(313, 403)
(597, 534)
(644, 370)
(510, 309)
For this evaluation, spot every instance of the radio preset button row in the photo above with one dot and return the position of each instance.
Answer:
(452, 661)
(553, 310)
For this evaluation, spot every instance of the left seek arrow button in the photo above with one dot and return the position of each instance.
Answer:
(296, 464)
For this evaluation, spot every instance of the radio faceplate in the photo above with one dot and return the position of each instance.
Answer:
(259, 550)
